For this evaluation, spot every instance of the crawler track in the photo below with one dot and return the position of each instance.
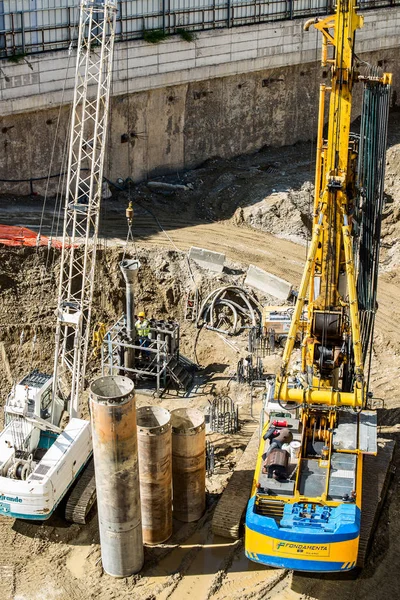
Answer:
(230, 509)
(82, 497)
(376, 480)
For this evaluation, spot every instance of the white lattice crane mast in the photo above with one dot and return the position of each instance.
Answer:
(83, 196)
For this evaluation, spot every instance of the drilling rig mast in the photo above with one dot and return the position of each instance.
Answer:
(304, 512)
(40, 461)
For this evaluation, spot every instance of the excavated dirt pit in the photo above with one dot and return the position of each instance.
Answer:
(255, 209)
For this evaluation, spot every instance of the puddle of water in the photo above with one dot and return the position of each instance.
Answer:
(76, 561)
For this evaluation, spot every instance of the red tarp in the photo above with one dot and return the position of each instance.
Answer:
(10, 235)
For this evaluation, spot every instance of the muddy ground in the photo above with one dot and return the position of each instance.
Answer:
(255, 209)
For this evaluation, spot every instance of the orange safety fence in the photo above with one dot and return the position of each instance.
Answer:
(11, 235)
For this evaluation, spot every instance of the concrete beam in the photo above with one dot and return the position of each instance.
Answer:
(214, 261)
(267, 283)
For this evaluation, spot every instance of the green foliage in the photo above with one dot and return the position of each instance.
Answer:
(186, 35)
(154, 36)
(16, 58)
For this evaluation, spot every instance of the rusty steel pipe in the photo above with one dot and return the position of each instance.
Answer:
(155, 472)
(115, 451)
(188, 464)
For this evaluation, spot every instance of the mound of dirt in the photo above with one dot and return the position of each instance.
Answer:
(390, 237)
(286, 214)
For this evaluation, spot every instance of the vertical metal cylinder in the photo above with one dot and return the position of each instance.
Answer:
(155, 472)
(115, 451)
(129, 269)
(188, 464)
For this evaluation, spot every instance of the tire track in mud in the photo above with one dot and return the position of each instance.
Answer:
(240, 244)
(242, 579)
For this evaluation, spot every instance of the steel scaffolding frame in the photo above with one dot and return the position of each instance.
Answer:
(116, 343)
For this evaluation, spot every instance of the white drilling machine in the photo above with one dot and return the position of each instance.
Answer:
(41, 462)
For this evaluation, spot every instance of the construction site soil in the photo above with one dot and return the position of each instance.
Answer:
(257, 210)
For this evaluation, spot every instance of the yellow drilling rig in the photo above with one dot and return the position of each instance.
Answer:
(305, 507)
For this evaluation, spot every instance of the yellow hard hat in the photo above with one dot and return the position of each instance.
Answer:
(141, 314)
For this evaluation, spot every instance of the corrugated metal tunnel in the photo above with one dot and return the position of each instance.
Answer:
(155, 471)
(115, 450)
(188, 464)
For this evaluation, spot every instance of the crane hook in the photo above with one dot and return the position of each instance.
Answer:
(129, 214)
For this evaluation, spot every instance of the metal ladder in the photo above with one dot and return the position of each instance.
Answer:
(192, 305)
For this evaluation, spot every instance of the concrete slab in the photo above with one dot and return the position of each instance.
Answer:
(207, 259)
(267, 283)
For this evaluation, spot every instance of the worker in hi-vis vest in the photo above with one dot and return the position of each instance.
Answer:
(143, 331)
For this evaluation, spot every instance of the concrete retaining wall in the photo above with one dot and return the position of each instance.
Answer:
(176, 104)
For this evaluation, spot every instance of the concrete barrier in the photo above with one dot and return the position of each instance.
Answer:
(214, 261)
(267, 283)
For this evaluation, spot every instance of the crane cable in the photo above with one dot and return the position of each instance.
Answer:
(75, 28)
(57, 208)
(129, 181)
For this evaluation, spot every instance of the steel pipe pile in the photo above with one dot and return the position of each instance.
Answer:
(155, 471)
(129, 269)
(188, 464)
(115, 451)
